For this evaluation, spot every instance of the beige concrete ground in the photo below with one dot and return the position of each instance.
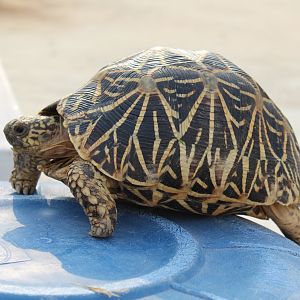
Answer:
(49, 48)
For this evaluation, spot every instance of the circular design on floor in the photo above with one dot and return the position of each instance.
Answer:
(146, 250)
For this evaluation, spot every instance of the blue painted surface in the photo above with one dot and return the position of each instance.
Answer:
(45, 252)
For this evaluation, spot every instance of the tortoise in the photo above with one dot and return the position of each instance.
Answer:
(183, 130)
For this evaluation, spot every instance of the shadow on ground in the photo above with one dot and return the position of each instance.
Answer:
(138, 246)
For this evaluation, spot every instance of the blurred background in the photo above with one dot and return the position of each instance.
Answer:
(49, 48)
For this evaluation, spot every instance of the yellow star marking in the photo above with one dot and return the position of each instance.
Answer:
(199, 134)
(118, 124)
(115, 137)
(257, 171)
(187, 95)
(172, 173)
(184, 204)
(170, 113)
(228, 119)
(200, 162)
(106, 150)
(115, 103)
(140, 155)
(229, 84)
(295, 155)
(112, 94)
(185, 125)
(157, 139)
(141, 115)
(183, 163)
(196, 80)
(273, 130)
(250, 131)
(169, 91)
(275, 119)
(229, 164)
(251, 95)
(233, 97)
(165, 155)
(211, 137)
(136, 192)
(262, 152)
(124, 167)
(243, 108)
(268, 140)
(213, 168)
(200, 182)
(97, 92)
(245, 167)
(235, 188)
(163, 79)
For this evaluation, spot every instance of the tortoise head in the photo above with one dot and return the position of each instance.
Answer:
(30, 133)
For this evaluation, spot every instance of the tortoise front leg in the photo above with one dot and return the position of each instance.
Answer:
(25, 174)
(89, 187)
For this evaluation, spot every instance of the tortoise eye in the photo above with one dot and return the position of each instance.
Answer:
(20, 130)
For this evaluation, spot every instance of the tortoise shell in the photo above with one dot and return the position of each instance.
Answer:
(185, 127)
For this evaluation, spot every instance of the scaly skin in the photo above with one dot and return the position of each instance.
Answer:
(89, 187)
(56, 171)
(287, 219)
(25, 174)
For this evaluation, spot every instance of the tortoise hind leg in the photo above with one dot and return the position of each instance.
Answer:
(89, 188)
(287, 219)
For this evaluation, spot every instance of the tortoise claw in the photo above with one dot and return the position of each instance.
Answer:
(24, 187)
